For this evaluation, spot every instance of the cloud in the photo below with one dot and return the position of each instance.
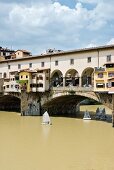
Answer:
(111, 41)
(38, 25)
(48, 23)
(91, 45)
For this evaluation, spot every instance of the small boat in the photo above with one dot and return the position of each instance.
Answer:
(86, 116)
(46, 119)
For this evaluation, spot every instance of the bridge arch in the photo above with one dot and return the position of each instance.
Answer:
(66, 102)
(10, 103)
(72, 77)
(87, 77)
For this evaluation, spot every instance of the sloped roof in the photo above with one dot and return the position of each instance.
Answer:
(27, 70)
(24, 51)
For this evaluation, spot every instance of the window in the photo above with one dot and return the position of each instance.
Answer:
(56, 63)
(33, 76)
(100, 75)
(41, 71)
(30, 65)
(21, 77)
(42, 64)
(47, 78)
(26, 76)
(11, 86)
(4, 76)
(17, 86)
(33, 85)
(40, 85)
(40, 78)
(71, 61)
(112, 84)
(19, 66)
(4, 54)
(89, 59)
(7, 86)
(111, 74)
(108, 58)
(8, 66)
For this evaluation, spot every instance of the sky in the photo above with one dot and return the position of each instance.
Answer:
(38, 25)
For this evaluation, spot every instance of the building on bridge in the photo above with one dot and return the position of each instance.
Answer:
(11, 84)
(104, 78)
(28, 80)
(34, 80)
(78, 68)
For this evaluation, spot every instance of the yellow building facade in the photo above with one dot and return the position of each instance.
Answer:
(104, 78)
(25, 77)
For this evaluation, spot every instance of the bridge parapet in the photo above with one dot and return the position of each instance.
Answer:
(15, 94)
(73, 88)
(81, 91)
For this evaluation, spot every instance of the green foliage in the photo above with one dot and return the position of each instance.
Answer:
(22, 81)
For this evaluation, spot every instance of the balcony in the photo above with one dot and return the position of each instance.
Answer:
(99, 69)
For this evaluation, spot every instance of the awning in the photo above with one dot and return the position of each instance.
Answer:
(107, 63)
(99, 84)
(110, 78)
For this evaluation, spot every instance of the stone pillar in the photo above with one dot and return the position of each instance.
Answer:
(80, 82)
(112, 110)
(63, 81)
(24, 102)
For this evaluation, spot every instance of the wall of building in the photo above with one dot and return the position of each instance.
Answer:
(103, 56)
(80, 62)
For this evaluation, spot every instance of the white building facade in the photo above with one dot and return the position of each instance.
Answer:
(71, 67)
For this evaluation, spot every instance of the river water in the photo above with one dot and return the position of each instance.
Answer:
(67, 144)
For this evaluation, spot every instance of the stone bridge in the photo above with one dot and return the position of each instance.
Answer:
(66, 100)
(79, 93)
(57, 100)
(56, 93)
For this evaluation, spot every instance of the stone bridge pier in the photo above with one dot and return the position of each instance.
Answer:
(30, 104)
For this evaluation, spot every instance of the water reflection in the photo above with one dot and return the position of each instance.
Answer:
(45, 130)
